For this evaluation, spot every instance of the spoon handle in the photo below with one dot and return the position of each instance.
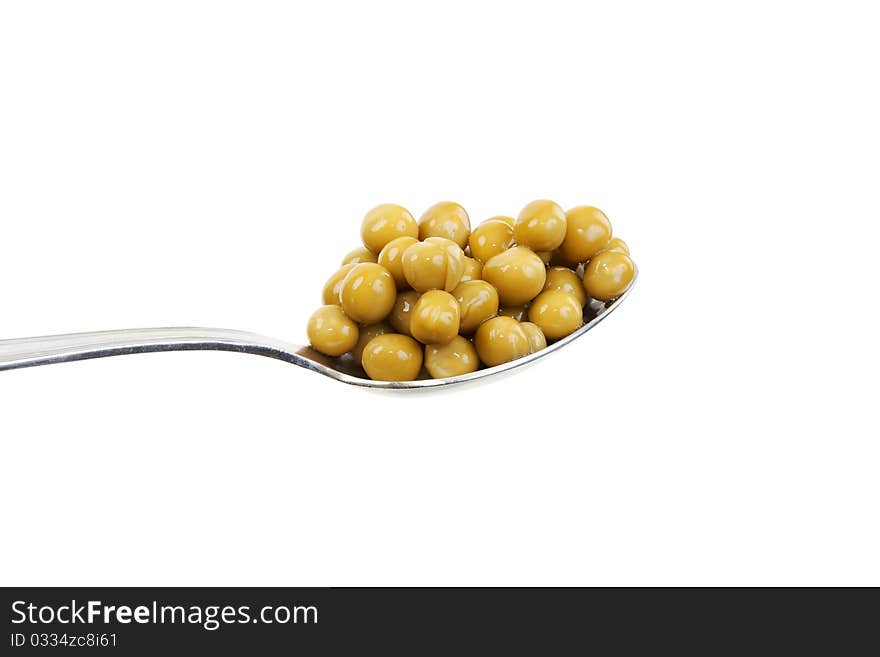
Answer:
(28, 352)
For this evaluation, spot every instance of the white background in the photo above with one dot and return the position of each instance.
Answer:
(185, 163)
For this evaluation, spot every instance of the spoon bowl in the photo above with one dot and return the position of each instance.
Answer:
(30, 352)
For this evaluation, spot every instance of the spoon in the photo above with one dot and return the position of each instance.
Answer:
(29, 352)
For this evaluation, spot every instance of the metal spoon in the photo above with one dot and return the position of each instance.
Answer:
(29, 352)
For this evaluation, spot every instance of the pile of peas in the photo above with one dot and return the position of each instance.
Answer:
(437, 295)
